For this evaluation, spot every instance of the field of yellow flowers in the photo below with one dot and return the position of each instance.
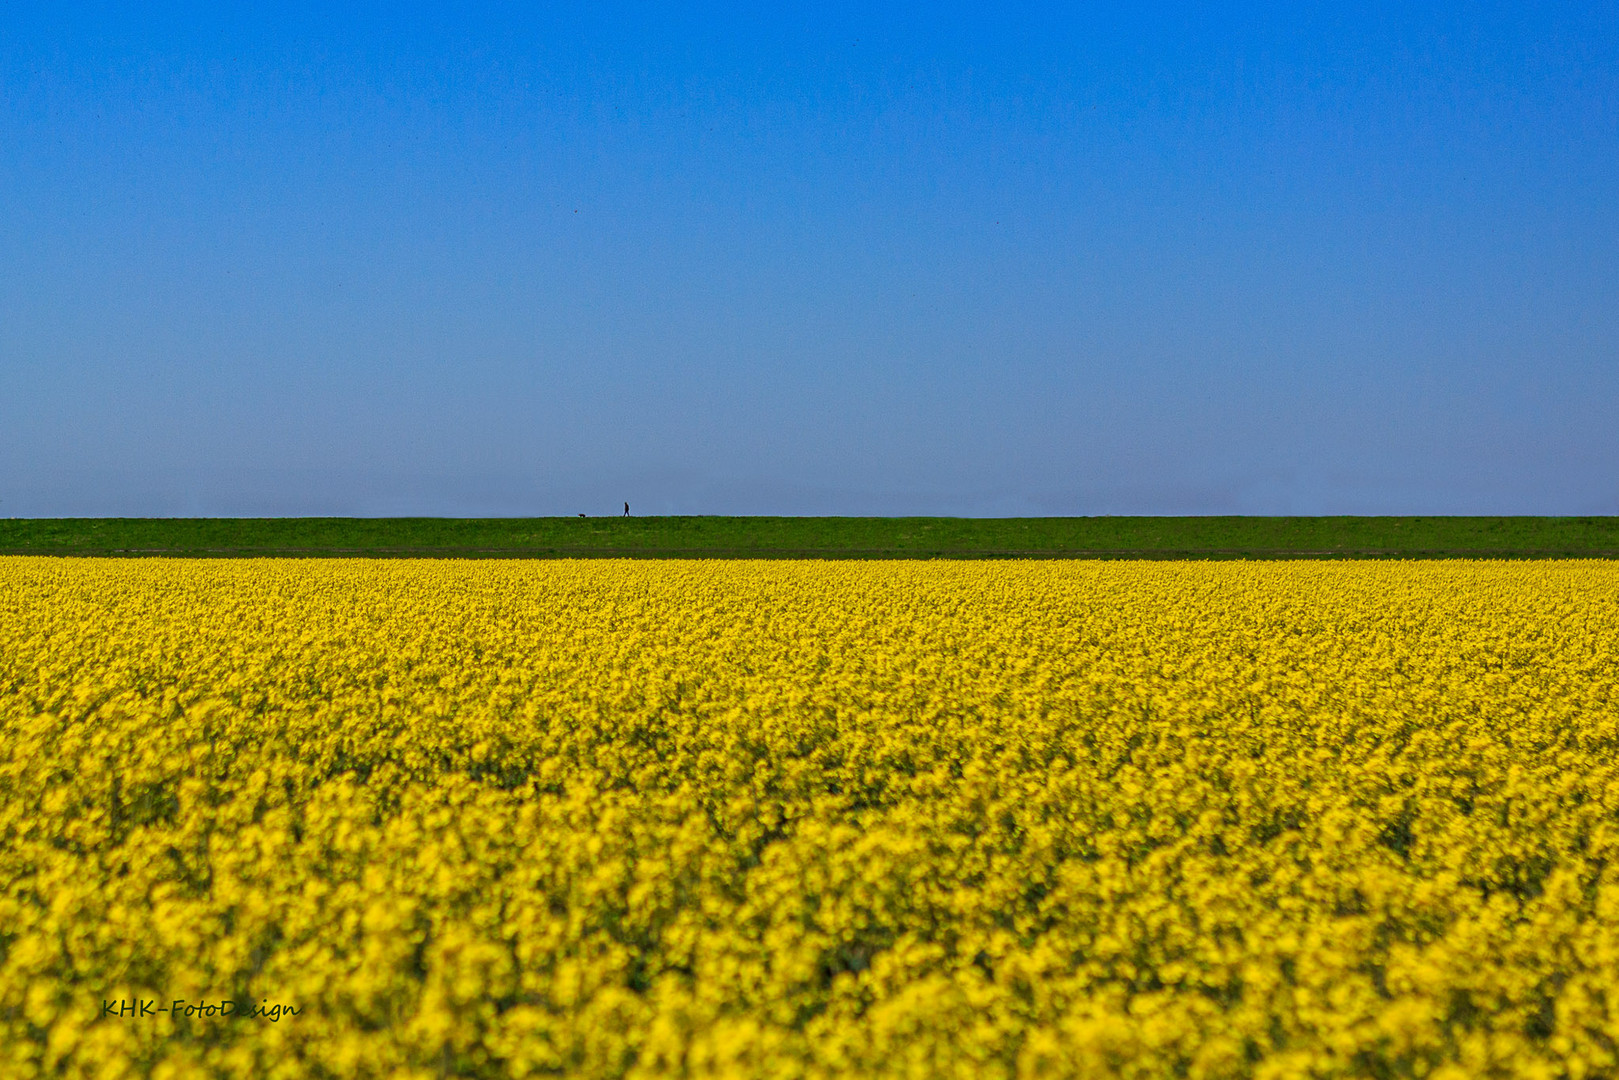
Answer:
(808, 819)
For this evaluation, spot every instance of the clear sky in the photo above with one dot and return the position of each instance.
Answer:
(985, 260)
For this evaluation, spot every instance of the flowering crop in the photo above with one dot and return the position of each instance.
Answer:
(924, 819)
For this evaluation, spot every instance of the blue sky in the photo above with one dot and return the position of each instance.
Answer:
(986, 260)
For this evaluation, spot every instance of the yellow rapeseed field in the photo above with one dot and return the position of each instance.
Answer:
(809, 819)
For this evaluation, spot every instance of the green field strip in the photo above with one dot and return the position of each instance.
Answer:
(855, 538)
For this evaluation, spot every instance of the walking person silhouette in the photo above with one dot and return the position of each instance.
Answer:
(626, 509)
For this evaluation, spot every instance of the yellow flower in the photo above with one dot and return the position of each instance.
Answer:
(810, 819)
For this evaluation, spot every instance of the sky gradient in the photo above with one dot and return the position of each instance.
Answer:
(1035, 261)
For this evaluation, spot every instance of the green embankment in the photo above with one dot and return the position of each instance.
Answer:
(827, 537)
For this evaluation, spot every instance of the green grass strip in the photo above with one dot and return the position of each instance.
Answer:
(823, 537)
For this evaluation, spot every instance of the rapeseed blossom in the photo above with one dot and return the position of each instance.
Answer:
(810, 819)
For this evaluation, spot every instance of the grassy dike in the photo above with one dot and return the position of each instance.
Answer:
(823, 537)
